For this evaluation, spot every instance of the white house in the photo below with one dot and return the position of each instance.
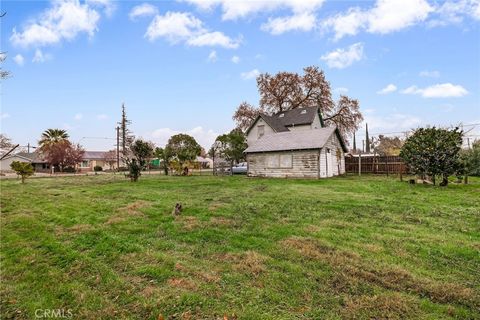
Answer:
(294, 143)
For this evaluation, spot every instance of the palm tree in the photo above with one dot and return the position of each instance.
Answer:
(52, 136)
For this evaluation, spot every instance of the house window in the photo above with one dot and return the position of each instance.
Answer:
(84, 164)
(279, 161)
(260, 131)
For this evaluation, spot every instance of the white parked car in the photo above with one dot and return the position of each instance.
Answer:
(240, 168)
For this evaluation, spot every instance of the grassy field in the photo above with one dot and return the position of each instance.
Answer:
(103, 248)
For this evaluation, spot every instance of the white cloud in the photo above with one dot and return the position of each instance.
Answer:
(252, 74)
(40, 57)
(388, 89)
(453, 12)
(443, 90)
(204, 137)
(174, 26)
(212, 57)
(184, 27)
(429, 74)
(393, 15)
(4, 115)
(102, 117)
(235, 59)
(385, 17)
(340, 90)
(142, 10)
(213, 39)
(305, 21)
(108, 5)
(19, 59)
(342, 58)
(63, 21)
(394, 122)
(78, 116)
(233, 9)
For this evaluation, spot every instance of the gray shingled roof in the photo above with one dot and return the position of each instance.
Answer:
(292, 140)
(34, 157)
(290, 118)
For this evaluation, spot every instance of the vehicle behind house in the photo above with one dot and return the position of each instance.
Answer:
(240, 168)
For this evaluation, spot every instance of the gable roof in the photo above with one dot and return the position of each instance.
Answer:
(282, 120)
(292, 140)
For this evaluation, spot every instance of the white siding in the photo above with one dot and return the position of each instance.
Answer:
(302, 164)
(5, 163)
(253, 133)
(316, 122)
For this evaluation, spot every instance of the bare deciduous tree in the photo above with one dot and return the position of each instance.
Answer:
(287, 90)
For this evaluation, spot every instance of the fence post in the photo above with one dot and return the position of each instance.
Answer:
(386, 163)
(359, 164)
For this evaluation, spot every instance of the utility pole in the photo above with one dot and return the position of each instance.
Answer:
(354, 144)
(28, 147)
(118, 148)
(367, 139)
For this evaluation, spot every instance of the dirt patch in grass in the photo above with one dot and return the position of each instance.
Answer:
(374, 248)
(222, 221)
(312, 228)
(215, 206)
(182, 283)
(391, 306)
(350, 266)
(188, 223)
(250, 262)
(75, 229)
(130, 210)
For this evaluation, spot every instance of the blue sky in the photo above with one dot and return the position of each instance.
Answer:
(184, 66)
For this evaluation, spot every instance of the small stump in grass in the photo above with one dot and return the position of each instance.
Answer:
(177, 210)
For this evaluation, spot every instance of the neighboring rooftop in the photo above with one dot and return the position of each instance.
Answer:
(94, 155)
(292, 140)
(34, 157)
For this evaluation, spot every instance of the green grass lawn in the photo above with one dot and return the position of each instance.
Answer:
(341, 248)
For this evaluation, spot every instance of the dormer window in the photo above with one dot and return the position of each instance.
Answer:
(303, 112)
(281, 115)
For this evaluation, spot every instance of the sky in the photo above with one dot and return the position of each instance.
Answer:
(184, 66)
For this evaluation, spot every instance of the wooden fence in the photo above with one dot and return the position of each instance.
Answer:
(375, 164)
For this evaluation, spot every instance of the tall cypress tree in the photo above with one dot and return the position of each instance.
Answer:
(124, 132)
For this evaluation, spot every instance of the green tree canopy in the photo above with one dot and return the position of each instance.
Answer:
(183, 147)
(141, 152)
(230, 146)
(471, 159)
(433, 152)
(164, 155)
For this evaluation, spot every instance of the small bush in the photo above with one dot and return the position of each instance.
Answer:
(69, 170)
(97, 168)
(23, 169)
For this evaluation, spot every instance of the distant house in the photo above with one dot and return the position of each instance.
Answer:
(91, 159)
(204, 162)
(294, 143)
(39, 164)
